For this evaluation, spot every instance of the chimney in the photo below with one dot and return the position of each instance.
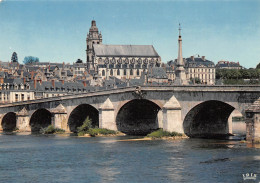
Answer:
(1, 80)
(203, 58)
(34, 83)
(53, 83)
(84, 83)
(62, 81)
(24, 80)
(21, 73)
(192, 58)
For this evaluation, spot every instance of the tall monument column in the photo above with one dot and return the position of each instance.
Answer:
(181, 78)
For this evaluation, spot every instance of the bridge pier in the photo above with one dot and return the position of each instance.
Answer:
(253, 122)
(23, 120)
(172, 121)
(229, 126)
(107, 116)
(59, 118)
(1, 118)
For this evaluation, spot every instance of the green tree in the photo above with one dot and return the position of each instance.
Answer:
(245, 73)
(258, 66)
(197, 81)
(30, 60)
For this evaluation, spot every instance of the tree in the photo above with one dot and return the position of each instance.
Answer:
(14, 57)
(258, 66)
(30, 60)
(195, 80)
(79, 61)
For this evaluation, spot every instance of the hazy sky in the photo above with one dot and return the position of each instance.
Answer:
(56, 30)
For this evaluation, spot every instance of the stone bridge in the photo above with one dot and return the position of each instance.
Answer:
(198, 111)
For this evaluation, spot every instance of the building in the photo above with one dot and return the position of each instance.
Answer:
(200, 68)
(122, 61)
(16, 90)
(228, 65)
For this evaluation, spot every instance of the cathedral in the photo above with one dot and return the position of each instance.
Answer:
(121, 61)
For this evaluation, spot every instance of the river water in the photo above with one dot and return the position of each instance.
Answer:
(56, 158)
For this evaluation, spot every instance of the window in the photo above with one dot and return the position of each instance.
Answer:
(103, 73)
(22, 97)
(118, 72)
(28, 97)
(125, 72)
(131, 72)
(111, 72)
(16, 97)
(137, 72)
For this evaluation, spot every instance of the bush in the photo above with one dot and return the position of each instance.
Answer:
(81, 133)
(85, 126)
(160, 133)
(102, 131)
(51, 130)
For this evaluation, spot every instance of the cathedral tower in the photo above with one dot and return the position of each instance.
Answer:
(180, 71)
(93, 37)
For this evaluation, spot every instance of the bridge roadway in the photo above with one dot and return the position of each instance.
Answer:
(196, 110)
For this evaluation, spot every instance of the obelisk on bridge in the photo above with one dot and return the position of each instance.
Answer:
(181, 78)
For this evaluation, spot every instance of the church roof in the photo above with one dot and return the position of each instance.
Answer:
(125, 50)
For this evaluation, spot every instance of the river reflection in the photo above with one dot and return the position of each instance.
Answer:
(39, 158)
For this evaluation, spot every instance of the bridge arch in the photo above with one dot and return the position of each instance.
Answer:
(138, 117)
(41, 118)
(80, 113)
(9, 122)
(208, 119)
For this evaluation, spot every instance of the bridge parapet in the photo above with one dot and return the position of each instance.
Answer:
(184, 88)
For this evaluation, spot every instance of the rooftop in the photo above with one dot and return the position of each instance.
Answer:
(125, 50)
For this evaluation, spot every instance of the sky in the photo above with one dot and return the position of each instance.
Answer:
(55, 30)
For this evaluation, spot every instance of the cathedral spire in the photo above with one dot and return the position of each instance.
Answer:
(93, 37)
